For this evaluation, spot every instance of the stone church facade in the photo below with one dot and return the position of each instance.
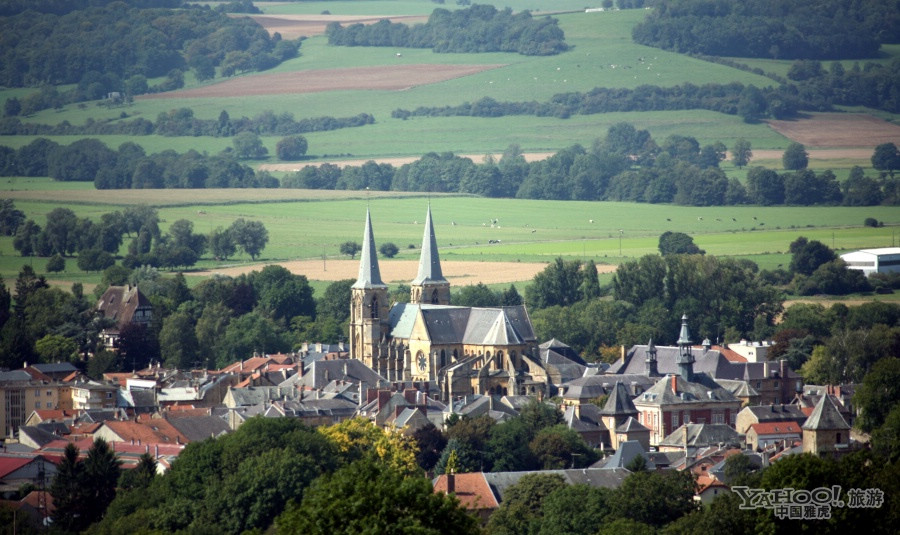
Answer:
(458, 350)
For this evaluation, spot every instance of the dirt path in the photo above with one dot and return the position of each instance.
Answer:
(395, 161)
(400, 271)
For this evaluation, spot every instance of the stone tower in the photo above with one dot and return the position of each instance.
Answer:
(369, 306)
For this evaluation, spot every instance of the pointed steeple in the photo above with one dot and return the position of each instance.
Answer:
(429, 261)
(369, 274)
(430, 286)
(685, 359)
(650, 364)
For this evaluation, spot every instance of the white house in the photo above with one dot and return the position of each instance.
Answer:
(884, 260)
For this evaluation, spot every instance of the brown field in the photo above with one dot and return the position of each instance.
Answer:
(294, 26)
(385, 78)
(403, 271)
(835, 130)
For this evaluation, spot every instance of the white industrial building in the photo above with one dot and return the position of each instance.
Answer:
(884, 260)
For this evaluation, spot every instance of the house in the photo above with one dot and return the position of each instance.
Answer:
(768, 413)
(869, 261)
(695, 437)
(472, 490)
(772, 382)
(459, 350)
(586, 420)
(761, 435)
(16, 471)
(141, 431)
(825, 431)
(90, 394)
(685, 397)
(123, 305)
(709, 488)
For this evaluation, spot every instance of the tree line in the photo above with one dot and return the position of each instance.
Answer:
(872, 84)
(626, 165)
(117, 47)
(478, 28)
(175, 122)
(792, 29)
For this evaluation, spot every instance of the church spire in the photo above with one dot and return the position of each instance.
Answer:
(430, 286)
(429, 261)
(369, 274)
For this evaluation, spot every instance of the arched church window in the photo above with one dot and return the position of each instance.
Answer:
(373, 308)
(434, 297)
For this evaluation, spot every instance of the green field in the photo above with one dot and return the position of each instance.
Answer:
(527, 230)
(602, 56)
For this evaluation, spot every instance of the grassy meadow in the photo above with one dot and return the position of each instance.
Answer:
(309, 224)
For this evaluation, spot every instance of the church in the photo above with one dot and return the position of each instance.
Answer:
(457, 350)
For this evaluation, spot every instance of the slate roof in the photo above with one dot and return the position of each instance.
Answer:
(369, 273)
(627, 451)
(254, 395)
(429, 260)
(776, 413)
(709, 361)
(594, 386)
(119, 303)
(607, 478)
(702, 435)
(619, 402)
(36, 435)
(702, 389)
(451, 325)
(825, 417)
(322, 372)
(631, 426)
(197, 428)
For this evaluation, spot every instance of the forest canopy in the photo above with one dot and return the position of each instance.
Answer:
(787, 29)
(479, 28)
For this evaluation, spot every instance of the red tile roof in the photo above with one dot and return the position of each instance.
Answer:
(56, 414)
(9, 465)
(472, 490)
(776, 428)
(730, 354)
(154, 431)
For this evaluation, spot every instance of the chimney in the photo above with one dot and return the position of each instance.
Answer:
(156, 451)
(451, 482)
(674, 384)
(577, 410)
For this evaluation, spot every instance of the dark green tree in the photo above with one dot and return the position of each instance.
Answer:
(369, 497)
(250, 236)
(335, 301)
(795, 157)
(221, 244)
(878, 394)
(388, 249)
(522, 509)
(654, 498)
(558, 284)
(71, 495)
(476, 295)
(291, 148)
(741, 153)
(677, 243)
(886, 158)
(808, 255)
(248, 146)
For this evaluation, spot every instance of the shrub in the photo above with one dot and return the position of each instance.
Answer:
(56, 263)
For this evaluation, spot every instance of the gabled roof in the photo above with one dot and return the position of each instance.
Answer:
(156, 430)
(452, 325)
(825, 417)
(701, 389)
(776, 428)
(471, 489)
(119, 303)
(701, 435)
(9, 465)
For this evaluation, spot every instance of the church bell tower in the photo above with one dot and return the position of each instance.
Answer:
(369, 306)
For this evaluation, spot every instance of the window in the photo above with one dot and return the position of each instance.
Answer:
(37, 405)
(109, 395)
(776, 384)
(49, 405)
(49, 393)
(674, 420)
(37, 393)
(718, 418)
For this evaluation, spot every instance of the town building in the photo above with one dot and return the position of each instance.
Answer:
(123, 305)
